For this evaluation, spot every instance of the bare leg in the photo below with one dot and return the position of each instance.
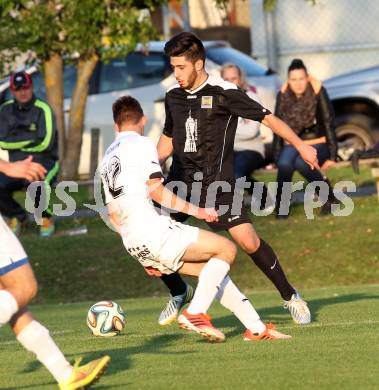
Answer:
(215, 254)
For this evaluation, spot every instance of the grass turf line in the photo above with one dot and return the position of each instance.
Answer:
(338, 350)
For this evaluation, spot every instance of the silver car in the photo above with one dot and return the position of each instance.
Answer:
(355, 98)
(146, 76)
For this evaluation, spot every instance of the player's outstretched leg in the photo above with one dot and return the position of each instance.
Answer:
(209, 259)
(85, 375)
(18, 286)
(35, 338)
(266, 260)
(232, 299)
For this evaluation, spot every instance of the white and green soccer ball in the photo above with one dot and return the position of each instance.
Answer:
(106, 319)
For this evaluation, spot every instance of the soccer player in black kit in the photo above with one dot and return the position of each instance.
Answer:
(201, 120)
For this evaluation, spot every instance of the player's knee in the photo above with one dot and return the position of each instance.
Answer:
(250, 244)
(228, 251)
(33, 289)
(27, 292)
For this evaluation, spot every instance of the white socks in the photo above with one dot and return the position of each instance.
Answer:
(8, 307)
(210, 279)
(36, 338)
(231, 298)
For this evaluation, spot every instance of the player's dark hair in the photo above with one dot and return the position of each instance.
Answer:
(185, 44)
(297, 63)
(126, 109)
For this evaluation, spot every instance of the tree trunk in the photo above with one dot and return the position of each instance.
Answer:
(55, 95)
(70, 164)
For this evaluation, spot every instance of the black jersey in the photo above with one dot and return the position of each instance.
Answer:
(202, 124)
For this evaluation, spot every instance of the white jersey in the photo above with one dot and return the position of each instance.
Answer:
(153, 239)
(12, 254)
(127, 165)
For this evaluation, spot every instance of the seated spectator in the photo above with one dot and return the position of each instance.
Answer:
(249, 151)
(27, 128)
(305, 106)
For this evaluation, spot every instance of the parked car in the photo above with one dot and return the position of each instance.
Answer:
(145, 76)
(355, 97)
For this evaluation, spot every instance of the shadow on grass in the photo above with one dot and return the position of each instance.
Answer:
(121, 359)
(316, 304)
(280, 316)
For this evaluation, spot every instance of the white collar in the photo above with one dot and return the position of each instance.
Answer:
(201, 86)
(126, 133)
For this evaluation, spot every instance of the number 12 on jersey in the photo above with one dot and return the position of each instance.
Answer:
(110, 175)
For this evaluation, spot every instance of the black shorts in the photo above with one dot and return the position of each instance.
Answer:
(227, 220)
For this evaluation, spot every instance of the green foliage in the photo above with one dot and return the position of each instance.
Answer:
(74, 29)
(269, 5)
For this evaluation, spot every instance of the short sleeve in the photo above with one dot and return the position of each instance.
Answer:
(151, 167)
(107, 194)
(168, 125)
(105, 183)
(240, 104)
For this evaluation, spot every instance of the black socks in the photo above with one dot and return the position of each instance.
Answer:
(268, 263)
(175, 284)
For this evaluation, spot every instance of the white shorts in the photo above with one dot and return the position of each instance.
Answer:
(12, 254)
(161, 244)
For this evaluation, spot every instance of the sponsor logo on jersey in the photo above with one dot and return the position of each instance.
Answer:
(206, 101)
(191, 134)
(139, 253)
(191, 96)
(33, 127)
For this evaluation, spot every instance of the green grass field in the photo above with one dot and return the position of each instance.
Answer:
(333, 261)
(326, 251)
(339, 350)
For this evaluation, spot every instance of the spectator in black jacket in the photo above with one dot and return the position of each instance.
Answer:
(305, 106)
(27, 128)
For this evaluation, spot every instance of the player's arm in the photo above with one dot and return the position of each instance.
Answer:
(307, 152)
(238, 103)
(168, 199)
(164, 148)
(23, 169)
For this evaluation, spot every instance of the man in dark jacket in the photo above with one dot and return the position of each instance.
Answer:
(27, 128)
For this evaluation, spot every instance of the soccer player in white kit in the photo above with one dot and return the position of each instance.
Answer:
(18, 287)
(132, 178)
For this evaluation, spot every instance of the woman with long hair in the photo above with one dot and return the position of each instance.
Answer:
(304, 105)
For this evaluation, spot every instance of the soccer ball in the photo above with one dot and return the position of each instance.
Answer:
(106, 319)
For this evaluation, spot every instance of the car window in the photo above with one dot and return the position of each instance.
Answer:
(135, 70)
(69, 80)
(223, 55)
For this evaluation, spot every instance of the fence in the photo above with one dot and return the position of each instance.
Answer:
(332, 37)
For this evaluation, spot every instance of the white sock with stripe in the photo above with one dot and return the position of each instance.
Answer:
(231, 298)
(210, 278)
(36, 338)
(8, 307)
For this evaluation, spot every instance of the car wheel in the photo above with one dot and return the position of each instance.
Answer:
(353, 134)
